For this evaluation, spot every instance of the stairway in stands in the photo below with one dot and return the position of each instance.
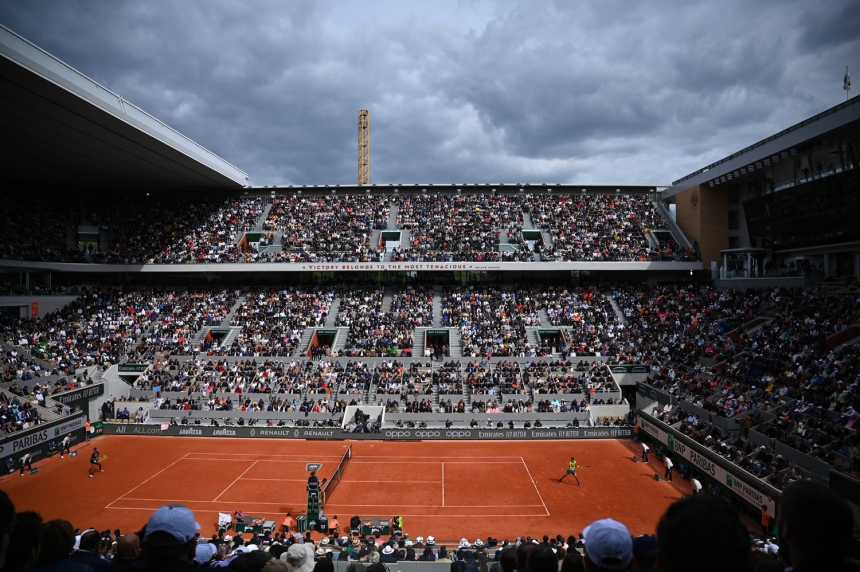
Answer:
(331, 318)
(544, 318)
(527, 221)
(532, 336)
(231, 336)
(437, 307)
(228, 319)
(262, 219)
(619, 315)
(387, 299)
(304, 342)
(455, 343)
(392, 217)
(340, 339)
(419, 339)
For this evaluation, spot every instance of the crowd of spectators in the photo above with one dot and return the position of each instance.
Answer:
(326, 228)
(451, 228)
(595, 227)
(273, 321)
(181, 315)
(782, 373)
(17, 414)
(763, 357)
(589, 315)
(216, 239)
(492, 321)
(100, 327)
(377, 332)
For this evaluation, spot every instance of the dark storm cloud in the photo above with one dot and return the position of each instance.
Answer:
(461, 91)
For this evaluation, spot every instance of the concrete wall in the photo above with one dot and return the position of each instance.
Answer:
(46, 304)
(703, 216)
(609, 410)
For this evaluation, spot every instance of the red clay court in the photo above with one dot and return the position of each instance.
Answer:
(446, 489)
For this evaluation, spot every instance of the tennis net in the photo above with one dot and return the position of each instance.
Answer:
(336, 477)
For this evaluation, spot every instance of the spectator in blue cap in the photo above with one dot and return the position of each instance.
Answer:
(608, 546)
(170, 540)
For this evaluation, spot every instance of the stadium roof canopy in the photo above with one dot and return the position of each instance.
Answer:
(64, 129)
(770, 149)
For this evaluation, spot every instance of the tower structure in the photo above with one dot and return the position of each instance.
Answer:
(363, 147)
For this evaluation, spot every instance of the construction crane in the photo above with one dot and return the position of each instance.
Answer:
(363, 147)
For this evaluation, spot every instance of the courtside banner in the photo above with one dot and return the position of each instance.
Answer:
(19, 443)
(745, 485)
(76, 398)
(395, 434)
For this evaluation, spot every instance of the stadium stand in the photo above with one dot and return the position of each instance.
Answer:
(755, 368)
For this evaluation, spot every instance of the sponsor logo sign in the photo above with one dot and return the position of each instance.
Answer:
(20, 443)
(77, 397)
(405, 434)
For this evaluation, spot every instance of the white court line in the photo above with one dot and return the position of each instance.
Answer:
(362, 456)
(443, 483)
(390, 482)
(140, 484)
(535, 485)
(342, 482)
(246, 460)
(212, 501)
(281, 480)
(361, 461)
(236, 480)
(227, 454)
(253, 502)
(150, 509)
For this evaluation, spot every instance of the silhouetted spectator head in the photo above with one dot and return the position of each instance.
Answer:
(324, 564)
(128, 547)
(57, 540)
(815, 527)
(252, 561)
(702, 533)
(543, 559)
(645, 553)
(24, 542)
(89, 540)
(508, 560)
(524, 552)
(7, 522)
(572, 561)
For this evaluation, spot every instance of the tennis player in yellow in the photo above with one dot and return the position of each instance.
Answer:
(571, 470)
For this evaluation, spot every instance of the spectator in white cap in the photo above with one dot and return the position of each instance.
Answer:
(170, 540)
(388, 554)
(299, 558)
(608, 546)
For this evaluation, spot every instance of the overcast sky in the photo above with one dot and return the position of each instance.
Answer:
(598, 92)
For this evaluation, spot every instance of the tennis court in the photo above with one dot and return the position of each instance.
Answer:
(447, 489)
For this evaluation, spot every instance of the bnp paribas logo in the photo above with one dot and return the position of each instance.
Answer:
(671, 442)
